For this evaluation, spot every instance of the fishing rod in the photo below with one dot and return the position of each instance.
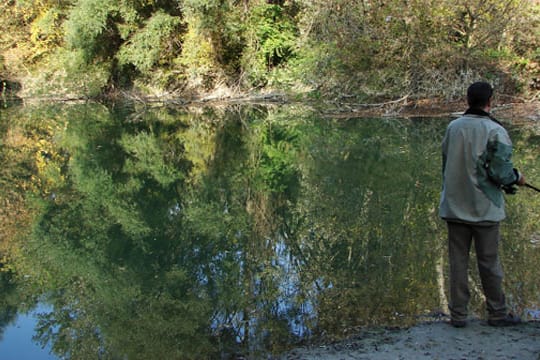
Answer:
(532, 187)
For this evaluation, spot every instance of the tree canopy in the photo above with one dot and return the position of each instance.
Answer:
(360, 49)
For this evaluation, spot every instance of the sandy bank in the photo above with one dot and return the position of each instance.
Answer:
(433, 340)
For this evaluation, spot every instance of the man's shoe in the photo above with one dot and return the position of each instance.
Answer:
(508, 320)
(458, 323)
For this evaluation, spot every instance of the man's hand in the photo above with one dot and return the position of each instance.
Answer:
(510, 189)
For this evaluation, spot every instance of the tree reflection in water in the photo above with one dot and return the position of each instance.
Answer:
(209, 232)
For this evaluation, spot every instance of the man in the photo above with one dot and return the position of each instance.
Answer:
(477, 168)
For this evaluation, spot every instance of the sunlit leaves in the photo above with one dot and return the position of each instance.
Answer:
(87, 28)
(358, 49)
(46, 31)
(424, 47)
(272, 35)
(145, 47)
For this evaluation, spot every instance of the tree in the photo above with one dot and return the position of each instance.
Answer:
(152, 44)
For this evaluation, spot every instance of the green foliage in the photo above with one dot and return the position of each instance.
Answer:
(213, 42)
(145, 48)
(198, 59)
(275, 32)
(146, 157)
(424, 48)
(273, 35)
(207, 12)
(357, 213)
(88, 29)
(363, 51)
(46, 31)
(122, 33)
(74, 73)
(278, 167)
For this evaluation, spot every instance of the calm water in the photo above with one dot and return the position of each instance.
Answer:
(174, 233)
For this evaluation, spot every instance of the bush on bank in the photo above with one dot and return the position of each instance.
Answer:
(344, 49)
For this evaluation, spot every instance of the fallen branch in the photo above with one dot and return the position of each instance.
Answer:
(392, 102)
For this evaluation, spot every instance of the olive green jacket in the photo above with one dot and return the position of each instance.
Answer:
(477, 162)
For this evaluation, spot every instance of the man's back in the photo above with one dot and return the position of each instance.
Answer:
(474, 147)
(477, 164)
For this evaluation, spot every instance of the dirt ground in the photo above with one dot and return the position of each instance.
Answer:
(432, 340)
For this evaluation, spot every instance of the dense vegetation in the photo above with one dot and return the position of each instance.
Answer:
(357, 50)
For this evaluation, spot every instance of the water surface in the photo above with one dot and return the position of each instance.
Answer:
(209, 232)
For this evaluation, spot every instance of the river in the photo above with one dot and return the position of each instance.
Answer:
(157, 231)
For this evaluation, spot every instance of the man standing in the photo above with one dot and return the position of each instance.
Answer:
(477, 168)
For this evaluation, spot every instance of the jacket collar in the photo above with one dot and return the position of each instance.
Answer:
(480, 112)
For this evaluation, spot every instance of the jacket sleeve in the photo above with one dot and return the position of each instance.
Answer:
(501, 169)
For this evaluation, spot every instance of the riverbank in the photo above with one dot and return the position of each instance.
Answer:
(506, 108)
(507, 111)
(431, 340)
